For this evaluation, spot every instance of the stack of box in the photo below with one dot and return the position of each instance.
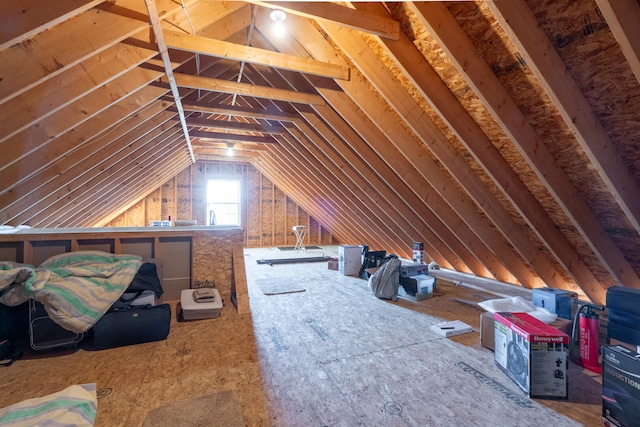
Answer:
(620, 386)
(533, 354)
(418, 252)
(557, 301)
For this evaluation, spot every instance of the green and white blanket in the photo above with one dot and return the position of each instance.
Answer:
(76, 288)
(76, 405)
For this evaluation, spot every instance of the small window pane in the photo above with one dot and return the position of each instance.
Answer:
(223, 202)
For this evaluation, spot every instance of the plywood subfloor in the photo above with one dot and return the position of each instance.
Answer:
(331, 355)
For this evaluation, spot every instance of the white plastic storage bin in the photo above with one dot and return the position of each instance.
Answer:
(192, 310)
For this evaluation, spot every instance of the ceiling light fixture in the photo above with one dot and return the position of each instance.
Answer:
(278, 16)
(229, 149)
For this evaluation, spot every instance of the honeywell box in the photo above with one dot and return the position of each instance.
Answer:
(533, 354)
(487, 327)
(620, 386)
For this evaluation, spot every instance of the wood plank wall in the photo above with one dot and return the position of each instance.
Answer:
(267, 212)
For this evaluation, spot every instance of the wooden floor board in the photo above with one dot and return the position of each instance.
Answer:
(331, 355)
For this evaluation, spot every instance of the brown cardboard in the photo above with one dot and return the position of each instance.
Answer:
(486, 330)
(563, 325)
(487, 333)
(631, 347)
(532, 354)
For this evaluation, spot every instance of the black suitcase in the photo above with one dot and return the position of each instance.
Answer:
(45, 334)
(132, 325)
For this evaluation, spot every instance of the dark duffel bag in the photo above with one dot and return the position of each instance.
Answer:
(133, 325)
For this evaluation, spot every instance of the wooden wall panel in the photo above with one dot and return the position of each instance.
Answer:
(267, 215)
(266, 212)
(279, 218)
(169, 199)
(253, 202)
(184, 203)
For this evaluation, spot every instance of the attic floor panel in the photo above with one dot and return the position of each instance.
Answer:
(331, 355)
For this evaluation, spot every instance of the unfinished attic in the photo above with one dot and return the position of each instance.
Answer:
(503, 135)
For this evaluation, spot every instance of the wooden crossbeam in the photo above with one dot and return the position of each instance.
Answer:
(233, 125)
(221, 136)
(225, 86)
(345, 16)
(238, 111)
(227, 50)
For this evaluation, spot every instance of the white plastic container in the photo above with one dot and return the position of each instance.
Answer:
(192, 310)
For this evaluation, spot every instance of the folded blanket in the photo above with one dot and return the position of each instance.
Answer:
(74, 406)
(76, 288)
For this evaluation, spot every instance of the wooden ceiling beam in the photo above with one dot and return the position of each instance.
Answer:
(35, 17)
(449, 108)
(53, 208)
(237, 146)
(222, 152)
(154, 18)
(324, 197)
(223, 49)
(454, 211)
(51, 53)
(225, 86)
(238, 111)
(316, 150)
(134, 187)
(623, 17)
(23, 144)
(321, 143)
(142, 188)
(342, 15)
(232, 137)
(357, 155)
(103, 155)
(406, 107)
(234, 125)
(461, 51)
(120, 185)
(60, 170)
(523, 29)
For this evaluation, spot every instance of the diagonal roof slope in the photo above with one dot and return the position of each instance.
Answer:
(502, 134)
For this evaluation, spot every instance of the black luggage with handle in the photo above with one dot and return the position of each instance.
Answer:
(45, 334)
(134, 324)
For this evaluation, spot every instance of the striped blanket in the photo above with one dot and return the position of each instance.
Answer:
(74, 406)
(76, 288)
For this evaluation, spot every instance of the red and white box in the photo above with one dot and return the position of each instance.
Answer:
(533, 354)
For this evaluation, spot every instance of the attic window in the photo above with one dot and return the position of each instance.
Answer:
(223, 202)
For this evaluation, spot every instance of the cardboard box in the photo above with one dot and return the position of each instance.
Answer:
(533, 354)
(613, 341)
(563, 325)
(417, 288)
(349, 260)
(556, 301)
(487, 329)
(487, 332)
(620, 386)
(332, 264)
(410, 270)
